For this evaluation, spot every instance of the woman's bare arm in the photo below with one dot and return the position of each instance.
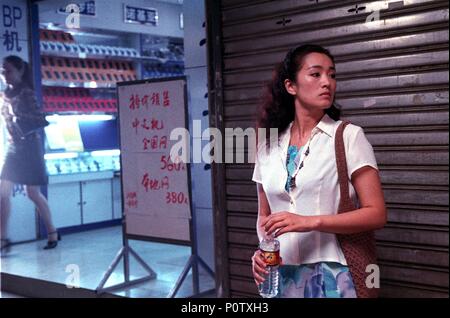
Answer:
(263, 210)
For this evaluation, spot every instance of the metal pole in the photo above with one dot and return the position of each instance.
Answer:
(110, 269)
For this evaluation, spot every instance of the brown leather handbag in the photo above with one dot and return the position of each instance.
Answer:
(359, 248)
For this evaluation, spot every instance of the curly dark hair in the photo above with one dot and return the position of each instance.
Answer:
(277, 109)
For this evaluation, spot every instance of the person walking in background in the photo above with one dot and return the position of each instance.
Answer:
(24, 161)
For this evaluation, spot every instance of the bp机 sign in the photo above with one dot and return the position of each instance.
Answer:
(13, 28)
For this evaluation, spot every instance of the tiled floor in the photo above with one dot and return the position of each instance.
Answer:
(91, 253)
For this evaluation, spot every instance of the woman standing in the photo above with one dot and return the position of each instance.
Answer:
(300, 207)
(24, 162)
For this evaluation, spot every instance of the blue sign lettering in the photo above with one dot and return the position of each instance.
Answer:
(11, 41)
(11, 15)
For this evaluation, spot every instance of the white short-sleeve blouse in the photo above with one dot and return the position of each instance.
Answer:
(317, 188)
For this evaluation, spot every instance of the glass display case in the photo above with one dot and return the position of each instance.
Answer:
(81, 143)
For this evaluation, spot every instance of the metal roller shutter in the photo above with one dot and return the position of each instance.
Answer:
(392, 78)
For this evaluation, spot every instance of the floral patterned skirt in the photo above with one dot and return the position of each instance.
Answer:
(319, 280)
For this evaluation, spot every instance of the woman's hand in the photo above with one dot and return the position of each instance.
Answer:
(284, 222)
(258, 267)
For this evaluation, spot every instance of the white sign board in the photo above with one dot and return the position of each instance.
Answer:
(155, 190)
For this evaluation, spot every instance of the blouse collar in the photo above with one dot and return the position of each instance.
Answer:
(326, 125)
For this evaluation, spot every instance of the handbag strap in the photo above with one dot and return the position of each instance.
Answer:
(345, 203)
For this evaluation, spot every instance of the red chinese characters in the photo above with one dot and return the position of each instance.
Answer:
(166, 99)
(152, 124)
(135, 102)
(131, 200)
(157, 124)
(155, 143)
(145, 101)
(135, 124)
(147, 110)
(154, 184)
(152, 99)
(155, 99)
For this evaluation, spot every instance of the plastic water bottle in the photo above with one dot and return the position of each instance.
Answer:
(270, 248)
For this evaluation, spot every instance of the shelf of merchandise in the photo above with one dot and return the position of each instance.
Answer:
(66, 65)
(66, 100)
(61, 43)
(102, 57)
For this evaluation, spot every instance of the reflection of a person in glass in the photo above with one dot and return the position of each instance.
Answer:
(24, 161)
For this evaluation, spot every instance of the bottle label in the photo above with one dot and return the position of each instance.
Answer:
(271, 258)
